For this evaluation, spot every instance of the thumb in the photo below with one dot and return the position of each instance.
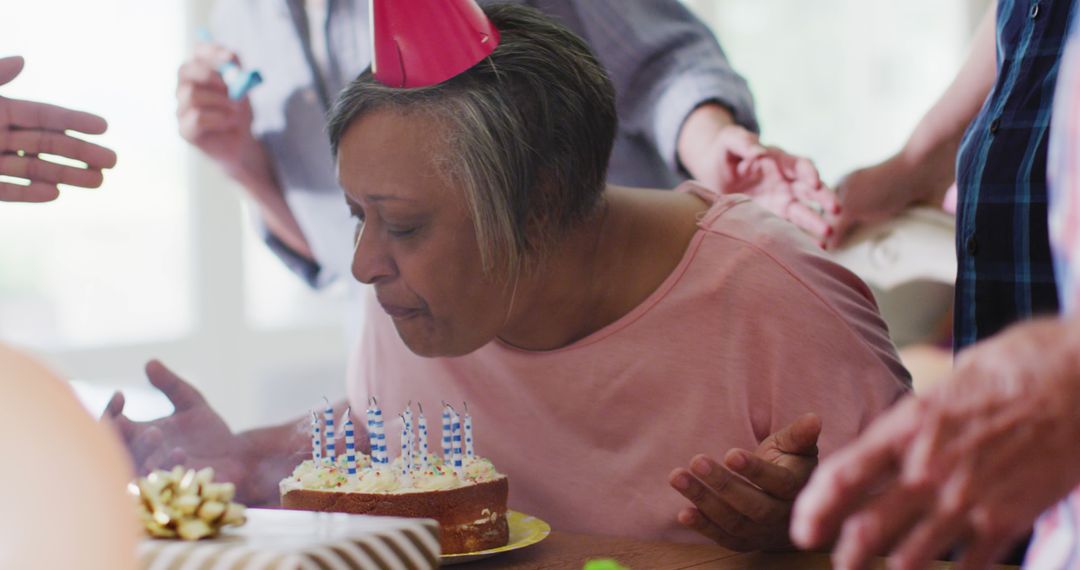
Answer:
(800, 437)
(182, 395)
(10, 68)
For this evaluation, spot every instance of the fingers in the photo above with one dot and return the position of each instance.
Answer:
(742, 144)
(34, 115)
(732, 505)
(800, 436)
(182, 395)
(725, 516)
(805, 172)
(820, 195)
(880, 525)
(10, 67)
(200, 74)
(115, 407)
(37, 170)
(49, 142)
(842, 482)
(929, 540)
(751, 502)
(191, 95)
(178, 457)
(773, 479)
(35, 192)
(163, 457)
(145, 445)
(202, 69)
(197, 123)
(114, 415)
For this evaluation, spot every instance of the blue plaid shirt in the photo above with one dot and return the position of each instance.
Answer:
(1004, 271)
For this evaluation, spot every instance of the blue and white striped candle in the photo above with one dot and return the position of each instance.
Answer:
(410, 443)
(456, 429)
(404, 446)
(423, 438)
(469, 452)
(316, 440)
(372, 437)
(380, 435)
(331, 454)
(446, 435)
(350, 442)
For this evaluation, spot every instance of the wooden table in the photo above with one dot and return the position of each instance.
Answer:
(567, 550)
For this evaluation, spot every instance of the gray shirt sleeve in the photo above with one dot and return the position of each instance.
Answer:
(664, 63)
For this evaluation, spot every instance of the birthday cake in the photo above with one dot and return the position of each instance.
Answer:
(463, 492)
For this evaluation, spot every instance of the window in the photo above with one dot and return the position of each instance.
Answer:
(155, 264)
(106, 266)
(842, 81)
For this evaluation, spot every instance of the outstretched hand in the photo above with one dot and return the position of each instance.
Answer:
(193, 435)
(29, 129)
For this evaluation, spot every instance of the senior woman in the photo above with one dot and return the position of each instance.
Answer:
(600, 335)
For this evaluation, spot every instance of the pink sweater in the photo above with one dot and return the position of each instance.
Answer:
(753, 328)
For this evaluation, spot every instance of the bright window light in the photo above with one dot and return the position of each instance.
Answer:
(110, 265)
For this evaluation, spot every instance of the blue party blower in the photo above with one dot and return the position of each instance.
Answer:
(237, 80)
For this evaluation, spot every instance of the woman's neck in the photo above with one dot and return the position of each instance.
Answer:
(598, 274)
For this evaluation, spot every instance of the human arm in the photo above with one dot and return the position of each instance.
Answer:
(29, 128)
(973, 461)
(221, 128)
(196, 436)
(744, 502)
(924, 168)
(664, 64)
(677, 90)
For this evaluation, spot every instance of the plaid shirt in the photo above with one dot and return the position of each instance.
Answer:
(1004, 268)
(1057, 533)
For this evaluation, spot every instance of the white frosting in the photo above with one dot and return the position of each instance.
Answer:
(380, 479)
(436, 478)
(386, 478)
(479, 470)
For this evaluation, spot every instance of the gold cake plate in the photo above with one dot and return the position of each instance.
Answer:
(524, 531)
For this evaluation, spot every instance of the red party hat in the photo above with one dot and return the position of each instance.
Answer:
(424, 42)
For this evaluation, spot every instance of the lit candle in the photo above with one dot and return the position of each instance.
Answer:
(446, 435)
(316, 440)
(350, 442)
(329, 415)
(468, 434)
(456, 429)
(423, 438)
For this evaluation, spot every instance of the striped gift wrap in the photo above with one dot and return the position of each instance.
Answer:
(299, 540)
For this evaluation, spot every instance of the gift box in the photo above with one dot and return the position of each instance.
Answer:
(300, 540)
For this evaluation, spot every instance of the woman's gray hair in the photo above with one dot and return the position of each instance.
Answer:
(529, 133)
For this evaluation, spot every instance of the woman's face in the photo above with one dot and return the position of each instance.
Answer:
(415, 240)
